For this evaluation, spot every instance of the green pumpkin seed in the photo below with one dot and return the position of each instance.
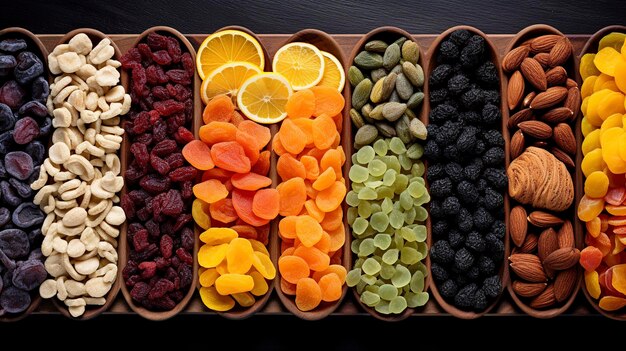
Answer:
(385, 129)
(376, 46)
(368, 60)
(378, 74)
(410, 52)
(403, 87)
(355, 76)
(366, 134)
(361, 93)
(409, 113)
(392, 56)
(418, 129)
(377, 112)
(415, 100)
(376, 95)
(366, 109)
(402, 129)
(414, 73)
(389, 85)
(397, 69)
(356, 118)
(393, 110)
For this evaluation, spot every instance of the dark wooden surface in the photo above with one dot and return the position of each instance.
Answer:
(290, 16)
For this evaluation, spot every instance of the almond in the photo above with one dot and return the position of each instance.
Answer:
(562, 259)
(530, 244)
(547, 243)
(556, 76)
(517, 145)
(531, 271)
(570, 83)
(534, 74)
(542, 58)
(564, 284)
(515, 90)
(560, 52)
(528, 99)
(536, 129)
(549, 98)
(564, 138)
(545, 299)
(543, 219)
(573, 101)
(544, 43)
(524, 289)
(520, 116)
(557, 115)
(540, 144)
(562, 156)
(524, 258)
(514, 58)
(565, 235)
(518, 225)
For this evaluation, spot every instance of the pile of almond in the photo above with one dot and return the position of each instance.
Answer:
(543, 103)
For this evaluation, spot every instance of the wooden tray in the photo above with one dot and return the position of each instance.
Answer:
(346, 42)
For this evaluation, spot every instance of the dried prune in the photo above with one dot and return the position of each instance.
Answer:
(7, 119)
(5, 216)
(12, 94)
(18, 164)
(40, 89)
(14, 300)
(25, 130)
(34, 108)
(9, 195)
(13, 45)
(29, 275)
(14, 243)
(29, 66)
(7, 61)
(27, 215)
(46, 127)
(21, 188)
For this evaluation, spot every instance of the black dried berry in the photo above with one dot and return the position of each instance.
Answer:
(440, 75)
(436, 211)
(491, 96)
(464, 220)
(497, 177)
(475, 242)
(438, 96)
(492, 199)
(493, 137)
(465, 297)
(451, 205)
(467, 140)
(441, 188)
(463, 259)
(486, 266)
(439, 273)
(467, 192)
(448, 133)
(442, 113)
(441, 252)
(436, 171)
(492, 286)
(473, 273)
(432, 151)
(494, 156)
(451, 153)
(472, 99)
(480, 300)
(460, 37)
(455, 238)
(487, 74)
(440, 228)
(448, 51)
(491, 114)
(448, 289)
(498, 228)
(482, 219)
(458, 84)
(470, 117)
(473, 52)
(454, 171)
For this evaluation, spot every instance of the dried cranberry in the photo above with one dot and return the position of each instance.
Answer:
(165, 147)
(160, 92)
(141, 123)
(187, 240)
(161, 57)
(168, 107)
(184, 136)
(173, 48)
(129, 269)
(177, 295)
(140, 240)
(187, 190)
(162, 263)
(173, 205)
(154, 116)
(159, 164)
(128, 207)
(188, 64)
(159, 131)
(131, 56)
(183, 174)
(156, 75)
(140, 291)
(148, 269)
(139, 80)
(140, 152)
(179, 76)
(156, 41)
(175, 160)
(154, 184)
(153, 228)
(184, 256)
(166, 246)
(145, 52)
(185, 273)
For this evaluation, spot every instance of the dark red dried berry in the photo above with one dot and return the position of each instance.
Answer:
(140, 240)
(183, 174)
(188, 64)
(161, 57)
(160, 92)
(141, 123)
(185, 272)
(175, 160)
(184, 136)
(169, 107)
(154, 183)
(140, 153)
(159, 131)
(159, 164)
(145, 138)
(139, 80)
(166, 245)
(153, 228)
(187, 239)
(145, 52)
(156, 41)
(162, 263)
(148, 269)
(140, 291)
(154, 116)
(173, 205)
(128, 207)
(181, 221)
(184, 256)
(165, 147)
(132, 56)
(187, 190)
(173, 48)
(179, 76)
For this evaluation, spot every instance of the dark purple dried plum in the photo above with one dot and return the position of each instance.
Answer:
(19, 164)
(46, 127)
(29, 275)
(29, 67)
(22, 188)
(27, 215)
(12, 94)
(33, 108)
(13, 45)
(5, 216)
(14, 300)
(25, 130)
(9, 195)
(40, 89)
(7, 61)
(7, 120)
(9, 264)
(37, 152)
(36, 254)
(14, 243)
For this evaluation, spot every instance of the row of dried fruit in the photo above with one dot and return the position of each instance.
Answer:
(159, 264)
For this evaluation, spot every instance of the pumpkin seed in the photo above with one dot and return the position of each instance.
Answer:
(361, 93)
(366, 134)
(389, 85)
(414, 73)
(392, 56)
(356, 118)
(410, 52)
(397, 69)
(386, 130)
(418, 129)
(415, 100)
(377, 112)
(368, 60)
(376, 95)
(403, 87)
(400, 41)
(355, 76)
(378, 74)
(402, 129)
(376, 46)
(394, 96)
(393, 110)
(410, 113)
(366, 109)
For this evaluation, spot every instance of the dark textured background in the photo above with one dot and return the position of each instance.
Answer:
(333, 16)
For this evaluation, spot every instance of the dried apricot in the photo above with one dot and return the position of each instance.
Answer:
(300, 104)
(328, 101)
(250, 181)
(590, 258)
(325, 180)
(223, 211)
(231, 283)
(210, 191)
(242, 202)
(239, 256)
(331, 198)
(260, 133)
(200, 213)
(262, 165)
(217, 132)
(287, 227)
(293, 268)
(230, 156)
(315, 259)
(596, 184)
(266, 203)
(308, 230)
(220, 108)
(215, 301)
(324, 132)
(292, 138)
(289, 167)
(292, 196)
(592, 284)
(210, 256)
(198, 155)
(311, 167)
(331, 286)
(218, 236)
(308, 294)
